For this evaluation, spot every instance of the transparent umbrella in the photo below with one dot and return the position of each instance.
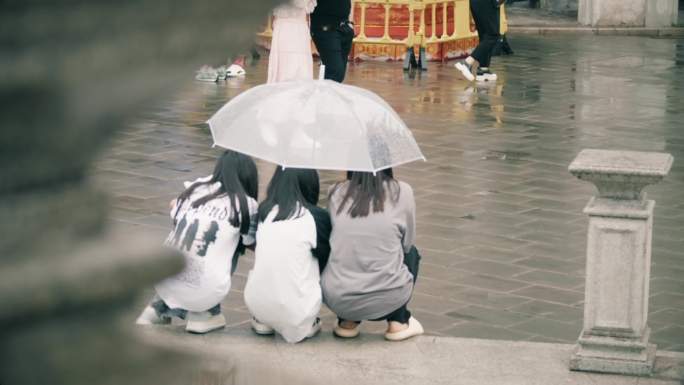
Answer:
(315, 124)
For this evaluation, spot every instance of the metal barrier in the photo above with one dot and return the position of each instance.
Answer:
(389, 29)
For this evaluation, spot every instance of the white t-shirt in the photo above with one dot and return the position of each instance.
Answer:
(208, 241)
(283, 290)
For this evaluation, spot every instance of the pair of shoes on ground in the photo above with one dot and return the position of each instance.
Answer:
(265, 330)
(197, 322)
(211, 74)
(414, 329)
(482, 74)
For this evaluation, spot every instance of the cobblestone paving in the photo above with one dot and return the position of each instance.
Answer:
(500, 219)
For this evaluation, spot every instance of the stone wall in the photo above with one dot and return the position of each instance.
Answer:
(565, 7)
(72, 73)
(628, 13)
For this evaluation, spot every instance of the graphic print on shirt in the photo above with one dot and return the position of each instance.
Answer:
(178, 232)
(208, 238)
(195, 233)
(189, 238)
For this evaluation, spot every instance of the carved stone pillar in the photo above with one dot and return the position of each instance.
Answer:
(615, 334)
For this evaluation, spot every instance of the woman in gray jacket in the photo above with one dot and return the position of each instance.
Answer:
(373, 264)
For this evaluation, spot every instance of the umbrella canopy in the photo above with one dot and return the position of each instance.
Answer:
(317, 124)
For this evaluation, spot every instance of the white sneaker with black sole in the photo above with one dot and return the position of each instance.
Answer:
(235, 70)
(204, 322)
(465, 70)
(484, 75)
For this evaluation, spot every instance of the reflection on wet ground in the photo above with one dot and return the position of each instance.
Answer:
(500, 219)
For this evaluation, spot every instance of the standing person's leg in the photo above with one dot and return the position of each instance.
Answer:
(346, 40)
(329, 46)
(489, 35)
(484, 14)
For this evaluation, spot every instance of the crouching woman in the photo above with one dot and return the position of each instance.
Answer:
(283, 291)
(373, 265)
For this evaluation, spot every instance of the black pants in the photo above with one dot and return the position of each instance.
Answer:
(486, 16)
(333, 46)
(402, 315)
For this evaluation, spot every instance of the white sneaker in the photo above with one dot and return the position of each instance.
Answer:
(261, 329)
(235, 70)
(222, 73)
(315, 328)
(465, 70)
(207, 74)
(414, 329)
(204, 322)
(149, 316)
(485, 76)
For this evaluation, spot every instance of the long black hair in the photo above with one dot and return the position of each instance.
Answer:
(366, 189)
(291, 189)
(238, 178)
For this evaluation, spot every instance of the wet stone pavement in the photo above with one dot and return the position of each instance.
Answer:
(499, 217)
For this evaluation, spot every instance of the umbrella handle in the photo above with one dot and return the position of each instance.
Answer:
(321, 72)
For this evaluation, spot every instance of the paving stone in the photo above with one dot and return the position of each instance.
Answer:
(667, 300)
(490, 268)
(434, 304)
(435, 287)
(434, 322)
(490, 282)
(492, 254)
(669, 285)
(548, 278)
(549, 310)
(565, 331)
(550, 294)
(499, 317)
(552, 264)
(666, 317)
(673, 334)
(487, 298)
(480, 330)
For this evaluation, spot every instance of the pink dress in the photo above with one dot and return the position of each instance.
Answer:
(290, 57)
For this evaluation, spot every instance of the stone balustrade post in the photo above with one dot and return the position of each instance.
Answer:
(615, 335)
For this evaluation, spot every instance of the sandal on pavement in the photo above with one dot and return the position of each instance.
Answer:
(414, 329)
(347, 333)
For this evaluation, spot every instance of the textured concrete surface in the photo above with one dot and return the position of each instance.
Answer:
(370, 360)
(543, 21)
(499, 216)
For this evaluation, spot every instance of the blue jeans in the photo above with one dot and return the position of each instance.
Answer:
(163, 310)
